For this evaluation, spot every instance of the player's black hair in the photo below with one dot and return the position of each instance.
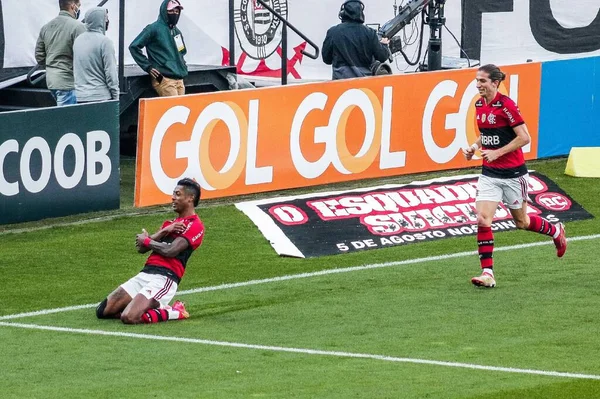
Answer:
(64, 4)
(191, 187)
(495, 73)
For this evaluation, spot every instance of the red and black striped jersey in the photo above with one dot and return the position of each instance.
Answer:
(175, 267)
(496, 122)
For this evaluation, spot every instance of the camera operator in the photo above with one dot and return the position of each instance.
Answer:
(350, 47)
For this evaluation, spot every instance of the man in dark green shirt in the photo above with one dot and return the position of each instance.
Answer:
(165, 49)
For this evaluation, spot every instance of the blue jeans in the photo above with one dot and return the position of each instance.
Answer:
(64, 97)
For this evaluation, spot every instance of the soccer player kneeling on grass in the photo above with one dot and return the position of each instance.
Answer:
(145, 298)
(504, 176)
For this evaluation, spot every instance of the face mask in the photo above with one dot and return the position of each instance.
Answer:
(77, 13)
(106, 27)
(173, 19)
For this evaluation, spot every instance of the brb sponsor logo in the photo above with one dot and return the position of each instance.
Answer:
(90, 158)
(461, 120)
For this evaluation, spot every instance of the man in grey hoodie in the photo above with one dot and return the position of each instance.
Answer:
(94, 60)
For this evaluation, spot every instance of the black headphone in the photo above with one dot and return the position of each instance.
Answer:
(343, 7)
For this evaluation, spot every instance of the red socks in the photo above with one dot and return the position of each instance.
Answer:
(485, 242)
(541, 225)
(155, 316)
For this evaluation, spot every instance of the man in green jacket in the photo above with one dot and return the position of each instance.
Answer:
(54, 50)
(165, 49)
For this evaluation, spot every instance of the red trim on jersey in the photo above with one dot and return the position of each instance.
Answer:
(496, 121)
(194, 234)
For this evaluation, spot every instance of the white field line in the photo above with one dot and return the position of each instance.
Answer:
(307, 275)
(81, 222)
(304, 351)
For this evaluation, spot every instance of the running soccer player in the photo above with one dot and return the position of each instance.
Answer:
(504, 175)
(145, 297)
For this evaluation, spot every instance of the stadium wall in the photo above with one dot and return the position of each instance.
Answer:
(277, 138)
(59, 161)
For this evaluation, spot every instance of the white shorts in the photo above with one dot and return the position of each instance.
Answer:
(152, 286)
(513, 192)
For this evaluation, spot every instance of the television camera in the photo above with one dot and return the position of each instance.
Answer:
(433, 15)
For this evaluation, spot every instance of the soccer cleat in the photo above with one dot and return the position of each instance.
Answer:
(561, 241)
(180, 307)
(485, 280)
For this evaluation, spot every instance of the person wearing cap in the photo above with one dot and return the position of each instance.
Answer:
(165, 49)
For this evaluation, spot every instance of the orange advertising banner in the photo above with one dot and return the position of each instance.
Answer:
(250, 141)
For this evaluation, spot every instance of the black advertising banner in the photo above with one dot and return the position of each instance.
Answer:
(59, 161)
(339, 222)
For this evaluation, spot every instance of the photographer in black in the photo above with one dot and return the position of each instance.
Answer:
(351, 48)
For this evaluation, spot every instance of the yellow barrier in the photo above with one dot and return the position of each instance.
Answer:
(584, 162)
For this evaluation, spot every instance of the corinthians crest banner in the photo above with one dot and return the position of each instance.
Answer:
(258, 33)
(539, 30)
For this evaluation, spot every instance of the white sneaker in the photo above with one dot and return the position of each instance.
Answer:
(485, 280)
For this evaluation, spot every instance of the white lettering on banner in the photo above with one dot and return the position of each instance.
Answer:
(387, 159)
(422, 219)
(417, 209)
(378, 119)
(308, 169)
(341, 110)
(514, 95)
(98, 157)
(254, 174)
(289, 214)
(244, 141)
(395, 201)
(441, 155)
(40, 145)
(554, 201)
(6, 188)
(191, 150)
(175, 115)
(536, 185)
(73, 141)
(454, 121)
